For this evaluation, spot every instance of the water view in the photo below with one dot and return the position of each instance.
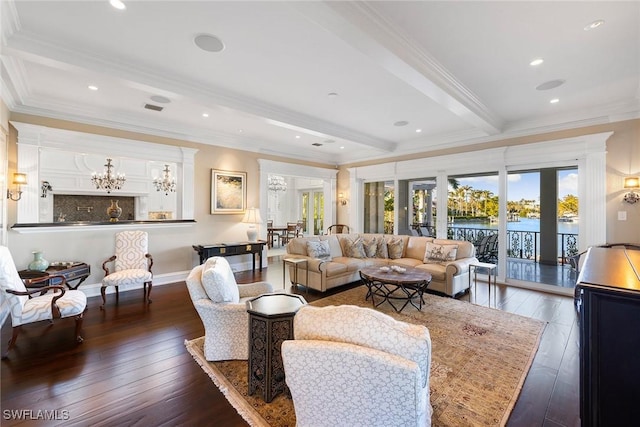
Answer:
(524, 224)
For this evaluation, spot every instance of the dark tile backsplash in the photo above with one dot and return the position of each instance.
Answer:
(90, 208)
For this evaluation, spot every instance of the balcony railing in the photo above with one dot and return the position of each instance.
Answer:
(520, 244)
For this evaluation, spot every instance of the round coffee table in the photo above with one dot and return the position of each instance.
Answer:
(407, 286)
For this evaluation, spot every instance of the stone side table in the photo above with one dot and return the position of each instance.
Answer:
(270, 323)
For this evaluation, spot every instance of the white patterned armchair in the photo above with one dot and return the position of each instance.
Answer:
(355, 366)
(29, 306)
(131, 265)
(221, 304)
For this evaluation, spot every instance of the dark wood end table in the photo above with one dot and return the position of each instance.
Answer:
(70, 271)
(270, 323)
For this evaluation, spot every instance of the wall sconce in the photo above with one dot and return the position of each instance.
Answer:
(342, 199)
(632, 183)
(44, 188)
(18, 179)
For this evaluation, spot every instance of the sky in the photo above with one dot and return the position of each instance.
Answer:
(524, 185)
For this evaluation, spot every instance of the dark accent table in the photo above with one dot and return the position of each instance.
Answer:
(231, 249)
(71, 272)
(391, 285)
(270, 323)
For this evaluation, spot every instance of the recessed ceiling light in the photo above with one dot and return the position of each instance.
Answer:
(554, 101)
(209, 43)
(401, 123)
(205, 114)
(594, 25)
(551, 84)
(418, 130)
(536, 61)
(161, 99)
(297, 136)
(117, 4)
(240, 130)
(342, 147)
(92, 87)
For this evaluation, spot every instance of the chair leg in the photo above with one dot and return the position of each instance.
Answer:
(148, 292)
(104, 296)
(79, 320)
(12, 341)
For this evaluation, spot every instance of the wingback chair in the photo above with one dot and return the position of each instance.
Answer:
(352, 365)
(44, 303)
(221, 304)
(131, 264)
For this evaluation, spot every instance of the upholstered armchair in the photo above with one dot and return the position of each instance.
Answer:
(220, 302)
(352, 365)
(35, 305)
(130, 266)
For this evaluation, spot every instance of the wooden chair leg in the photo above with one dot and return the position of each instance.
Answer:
(148, 292)
(79, 320)
(12, 341)
(104, 296)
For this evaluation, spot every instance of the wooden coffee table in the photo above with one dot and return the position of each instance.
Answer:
(391, 286)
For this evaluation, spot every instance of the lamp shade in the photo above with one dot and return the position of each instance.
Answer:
(19, 178)
(252, 216)
(632, 182)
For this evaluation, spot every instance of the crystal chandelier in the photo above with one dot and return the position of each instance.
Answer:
(166, 183)
(277, 183)
(108, 180)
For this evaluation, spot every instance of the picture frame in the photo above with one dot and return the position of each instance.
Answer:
(228, 192)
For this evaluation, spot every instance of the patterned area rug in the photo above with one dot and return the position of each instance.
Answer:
(480, 359)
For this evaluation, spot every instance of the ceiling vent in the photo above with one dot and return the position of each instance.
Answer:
(317, 144)
(153, 107)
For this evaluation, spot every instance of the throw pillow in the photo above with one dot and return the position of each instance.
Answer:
(382, 251)
(439, 254)
(370, 247)
(395, 248)
(356, 248)
(318, 249)
(219, 283)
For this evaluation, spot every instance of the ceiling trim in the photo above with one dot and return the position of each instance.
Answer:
(361, 26)
(30, 47)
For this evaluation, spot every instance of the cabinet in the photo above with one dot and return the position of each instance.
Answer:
(609, 295)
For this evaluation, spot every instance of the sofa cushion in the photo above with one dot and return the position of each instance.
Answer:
(395, 247)
(219, 282)
(352, 264)
(439, 254)
(438, 271)
(465, 249)
(318, 249)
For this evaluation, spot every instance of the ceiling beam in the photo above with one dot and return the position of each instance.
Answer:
(362, 27)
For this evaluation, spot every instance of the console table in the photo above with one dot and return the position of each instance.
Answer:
(70, 271)
(231, 249)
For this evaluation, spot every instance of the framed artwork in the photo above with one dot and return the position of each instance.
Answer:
(228, 192)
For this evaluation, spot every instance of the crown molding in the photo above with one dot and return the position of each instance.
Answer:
(28, 46)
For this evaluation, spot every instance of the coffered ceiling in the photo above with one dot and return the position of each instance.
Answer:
(332, 82)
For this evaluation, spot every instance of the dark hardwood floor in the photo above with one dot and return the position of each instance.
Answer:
(133, 368)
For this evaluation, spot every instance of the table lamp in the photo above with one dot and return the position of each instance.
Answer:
(252, 217)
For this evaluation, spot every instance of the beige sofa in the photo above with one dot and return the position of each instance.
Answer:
(450, 277)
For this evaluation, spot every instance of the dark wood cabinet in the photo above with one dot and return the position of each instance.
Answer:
(608, 290)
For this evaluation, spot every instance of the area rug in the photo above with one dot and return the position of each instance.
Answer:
(480, 359)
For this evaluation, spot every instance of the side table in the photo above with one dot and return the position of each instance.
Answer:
(71, 271)
(491, 269)
(296, 262)
(270, 323)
